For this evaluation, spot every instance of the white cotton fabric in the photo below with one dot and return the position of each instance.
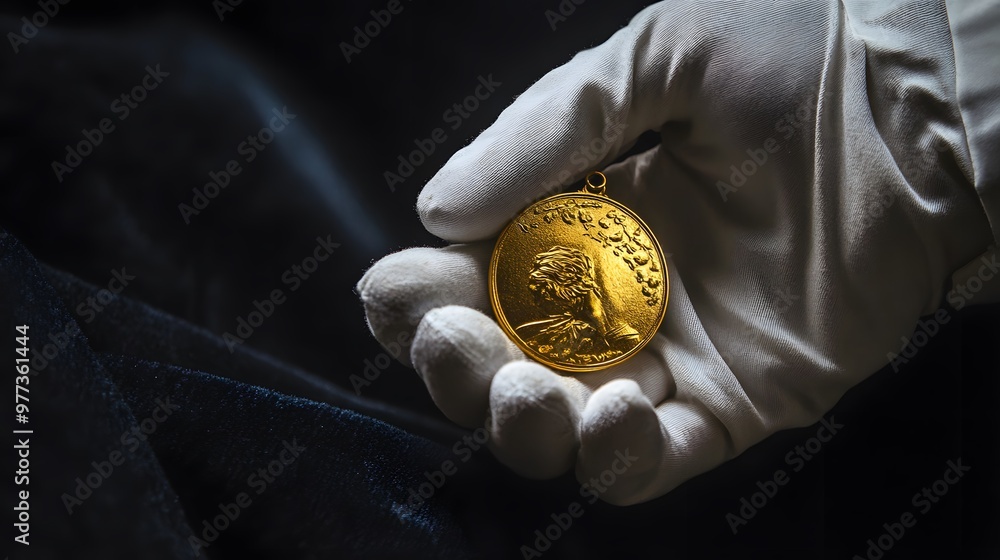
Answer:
(975, 26)
(824, 168)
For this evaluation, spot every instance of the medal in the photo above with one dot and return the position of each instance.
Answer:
(578, 281)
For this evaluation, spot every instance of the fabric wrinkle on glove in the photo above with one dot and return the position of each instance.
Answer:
(813, 188)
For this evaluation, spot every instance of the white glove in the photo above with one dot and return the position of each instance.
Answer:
(813, 185)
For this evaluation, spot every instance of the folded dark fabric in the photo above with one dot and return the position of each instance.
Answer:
(139, 459)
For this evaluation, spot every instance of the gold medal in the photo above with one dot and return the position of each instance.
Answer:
(578, 281)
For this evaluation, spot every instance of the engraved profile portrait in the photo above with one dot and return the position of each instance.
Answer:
(566, 287)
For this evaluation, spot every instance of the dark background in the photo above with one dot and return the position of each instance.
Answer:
(324, 176)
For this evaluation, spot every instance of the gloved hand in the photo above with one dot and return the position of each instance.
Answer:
(812, 189)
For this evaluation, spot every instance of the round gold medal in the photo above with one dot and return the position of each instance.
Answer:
(578, 281)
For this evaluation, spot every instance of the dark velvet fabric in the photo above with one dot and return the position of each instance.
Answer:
(203, 448)
(343, 461)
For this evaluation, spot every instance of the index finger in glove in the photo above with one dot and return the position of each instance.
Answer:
(398, 290)
(578, 117)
